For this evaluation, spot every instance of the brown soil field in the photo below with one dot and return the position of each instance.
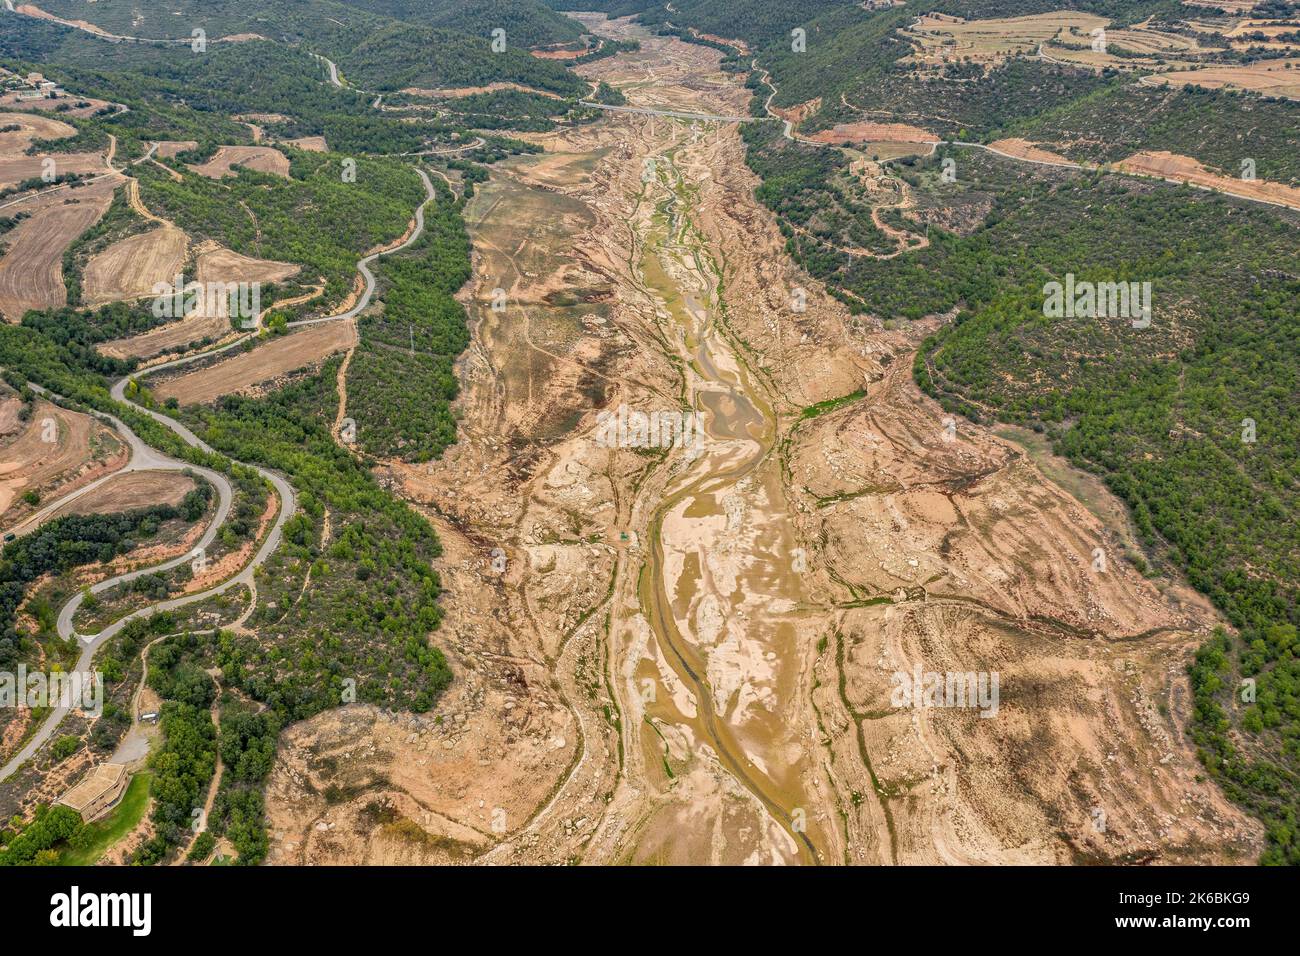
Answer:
(1100, 61)
(457, 92)
(882, 152)
(218, 264)
(1278, 45)
(261, 118)
(738, 45)
(131, 267)
(231, 562)
(15, 169)
(31, 271)
(417, 778)
(797, 114)
(135, 489)
(558, 54)
(1024, 149)
(312, 144)
(871, 132)
(168, 338)
(169, 148)
(1184, 169)
(262, 158)
(34, 126)
(940, 37)
(1154, 42)
(269, 361)
(699, 86)
(1063, 35)
(1270, 28)
(32, 10)
(213, 263)
(1267, 77)
(84, 450)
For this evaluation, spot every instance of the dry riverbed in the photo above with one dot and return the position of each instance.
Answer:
(686, 652)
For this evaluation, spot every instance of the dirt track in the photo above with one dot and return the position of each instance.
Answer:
(1023, 149)
(1184, 169)
(312, 144)
(874, 132)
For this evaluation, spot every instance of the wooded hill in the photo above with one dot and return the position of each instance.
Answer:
(448, 46)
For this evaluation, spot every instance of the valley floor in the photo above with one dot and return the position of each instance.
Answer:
(686, 654)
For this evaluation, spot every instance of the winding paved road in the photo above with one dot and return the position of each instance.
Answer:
(363, 266)
(144, 457)
(334, 70)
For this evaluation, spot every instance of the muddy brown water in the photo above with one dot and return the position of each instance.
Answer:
(739, 430)
(728, 505)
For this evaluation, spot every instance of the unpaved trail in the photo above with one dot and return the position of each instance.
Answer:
(137, 204)
(341, 386)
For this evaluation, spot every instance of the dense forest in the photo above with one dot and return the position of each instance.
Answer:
(527, 23)
(374, 596)
(401, 381)
(374, 51)
(968, 111)
(183, 768)
(348, 217)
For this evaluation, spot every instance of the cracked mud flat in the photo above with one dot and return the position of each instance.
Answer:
(685, 655)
